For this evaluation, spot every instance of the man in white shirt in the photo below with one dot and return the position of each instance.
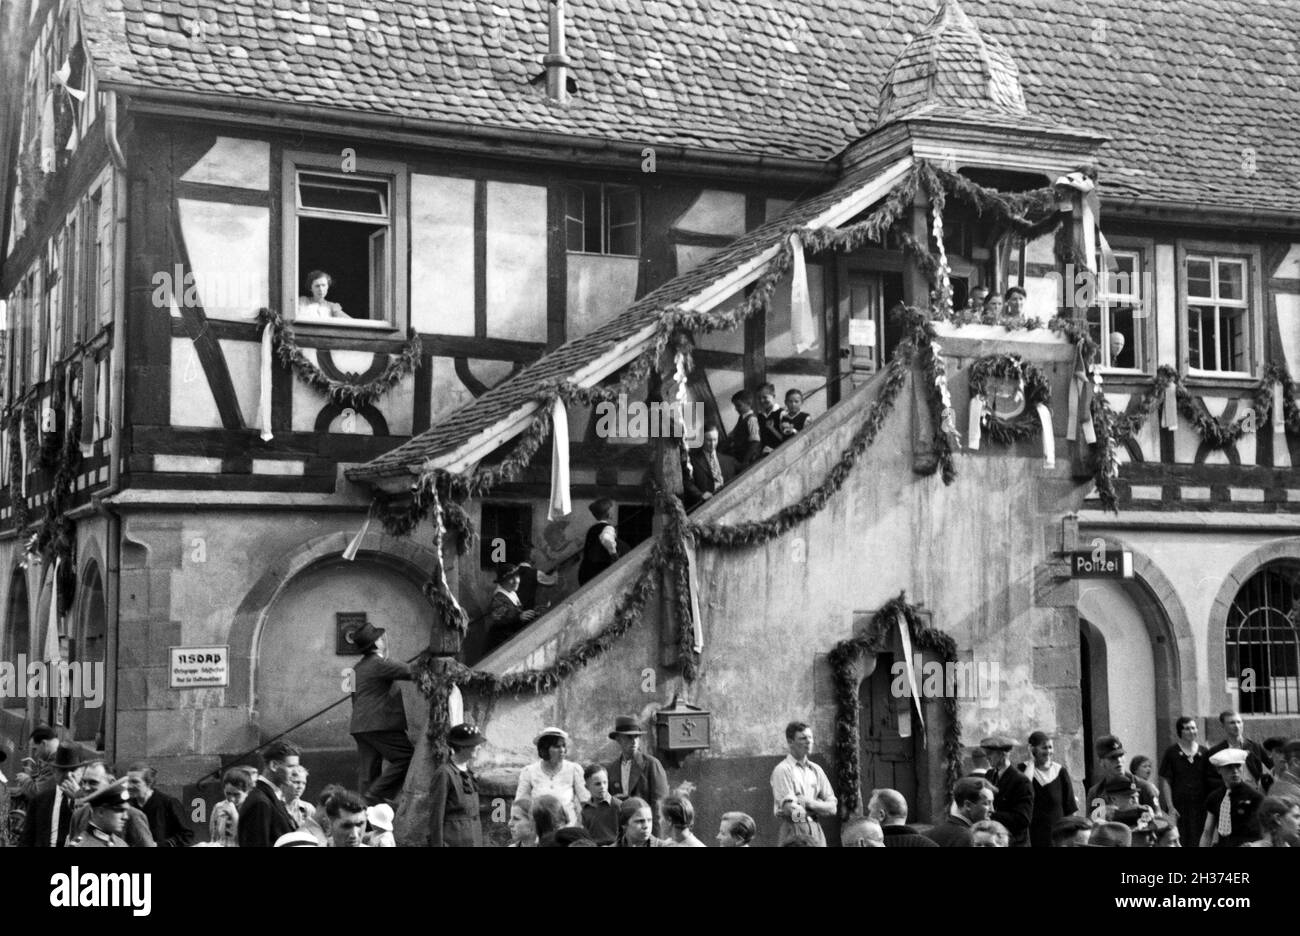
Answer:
(801, 792)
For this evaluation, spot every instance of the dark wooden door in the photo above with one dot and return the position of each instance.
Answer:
(888, 759)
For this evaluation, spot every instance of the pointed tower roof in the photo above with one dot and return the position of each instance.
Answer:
(950, 65)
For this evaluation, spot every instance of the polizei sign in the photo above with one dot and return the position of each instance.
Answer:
(1101, 564)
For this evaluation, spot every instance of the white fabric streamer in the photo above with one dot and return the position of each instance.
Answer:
(1279, 409)
(697, 626)
(1049, 440)
(803, 328)
(264, 392)
(351, 552)
(906, 639)
(975, 426)
(561, 504)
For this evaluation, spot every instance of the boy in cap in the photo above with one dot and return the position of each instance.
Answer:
(1258, 763)
(107, 818)
(1013, 803)
(1110, 761)
(1230, 818)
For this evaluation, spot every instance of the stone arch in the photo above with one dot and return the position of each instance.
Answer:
(1172, 643)
(88, 626)
(399, 553)
(1217, 631)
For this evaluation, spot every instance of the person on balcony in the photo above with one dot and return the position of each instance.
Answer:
(770, 417)
(1015, 303)
(707, 469)
(315, 305)
(603, 547)
(506, 615)
(992, 308)
(795, 419)
(746, 442)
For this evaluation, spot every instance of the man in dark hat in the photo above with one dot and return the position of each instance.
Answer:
(50, 813)
(379, 718)
(263, 817)
(1110, 763)
(506, 614)
(635, 773)
(95, 777)
(1013, 803)
(108, 810)
(454, 820)
(602, 547)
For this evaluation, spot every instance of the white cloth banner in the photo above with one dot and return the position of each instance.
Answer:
(975, 425)
(906, 639)
(1049, 440)
(1279, 409)
(1169, 408)
(264, 391)
(455, 707)
(561, 504)
(52, 653)
(22, 449)
(697, 626)
(351, 552)
(803, 328)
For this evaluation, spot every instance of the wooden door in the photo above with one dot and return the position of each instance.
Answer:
(888, 758)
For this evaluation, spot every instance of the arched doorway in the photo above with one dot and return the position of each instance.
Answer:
(1262, 642)
(17, 632)
(1129, 666)
(298, 671)
(89, 646)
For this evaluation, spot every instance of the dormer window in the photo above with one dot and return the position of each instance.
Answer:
(602, 219)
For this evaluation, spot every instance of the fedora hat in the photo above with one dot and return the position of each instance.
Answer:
(68, 757)
(625, 725)
(367, 635)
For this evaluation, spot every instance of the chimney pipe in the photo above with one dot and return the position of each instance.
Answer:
(556, 59)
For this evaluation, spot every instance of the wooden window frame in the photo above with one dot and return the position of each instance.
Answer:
(1252, 282)
(398, 263)
(1145, 249)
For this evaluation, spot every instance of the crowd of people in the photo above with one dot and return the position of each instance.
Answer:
(1236, 793)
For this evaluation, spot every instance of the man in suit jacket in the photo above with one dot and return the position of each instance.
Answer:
(263, 817)
(379, 718)
(972, 801)
(708, 469)
(1013, 803)
(889, 808)
(633, 773)
(166, 818)
(49, 814)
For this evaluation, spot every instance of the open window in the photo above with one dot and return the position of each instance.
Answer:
(344, 237)
(1118, 320)
(1218, 314)
(602, 219)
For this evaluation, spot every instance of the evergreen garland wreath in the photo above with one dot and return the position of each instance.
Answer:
(844, 660)
(1036, 389)
(342, 392)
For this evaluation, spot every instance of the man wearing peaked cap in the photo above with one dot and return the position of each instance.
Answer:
(1013, 803)
(635, 773)
(1110, 763)
(107, 818)
(1230, 818)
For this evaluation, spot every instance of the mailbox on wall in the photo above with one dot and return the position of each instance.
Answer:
(682, 728)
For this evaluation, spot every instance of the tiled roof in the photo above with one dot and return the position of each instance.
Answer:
(508, 396)
(1185, 89)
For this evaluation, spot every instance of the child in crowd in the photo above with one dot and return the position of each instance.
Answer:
(746, 442)
(769, 418)
(795, 418)
(600, 813)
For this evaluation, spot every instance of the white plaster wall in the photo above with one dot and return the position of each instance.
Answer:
(1129, 662)
(442, 255)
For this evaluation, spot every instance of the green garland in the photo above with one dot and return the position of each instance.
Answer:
(1033, 385)
(341, 392)
(844, 659)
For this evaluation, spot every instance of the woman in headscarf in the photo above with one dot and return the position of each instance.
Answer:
(552, 775)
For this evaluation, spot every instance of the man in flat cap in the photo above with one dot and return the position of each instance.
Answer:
(1230, 818)
(107, 818)
(1013, 803)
